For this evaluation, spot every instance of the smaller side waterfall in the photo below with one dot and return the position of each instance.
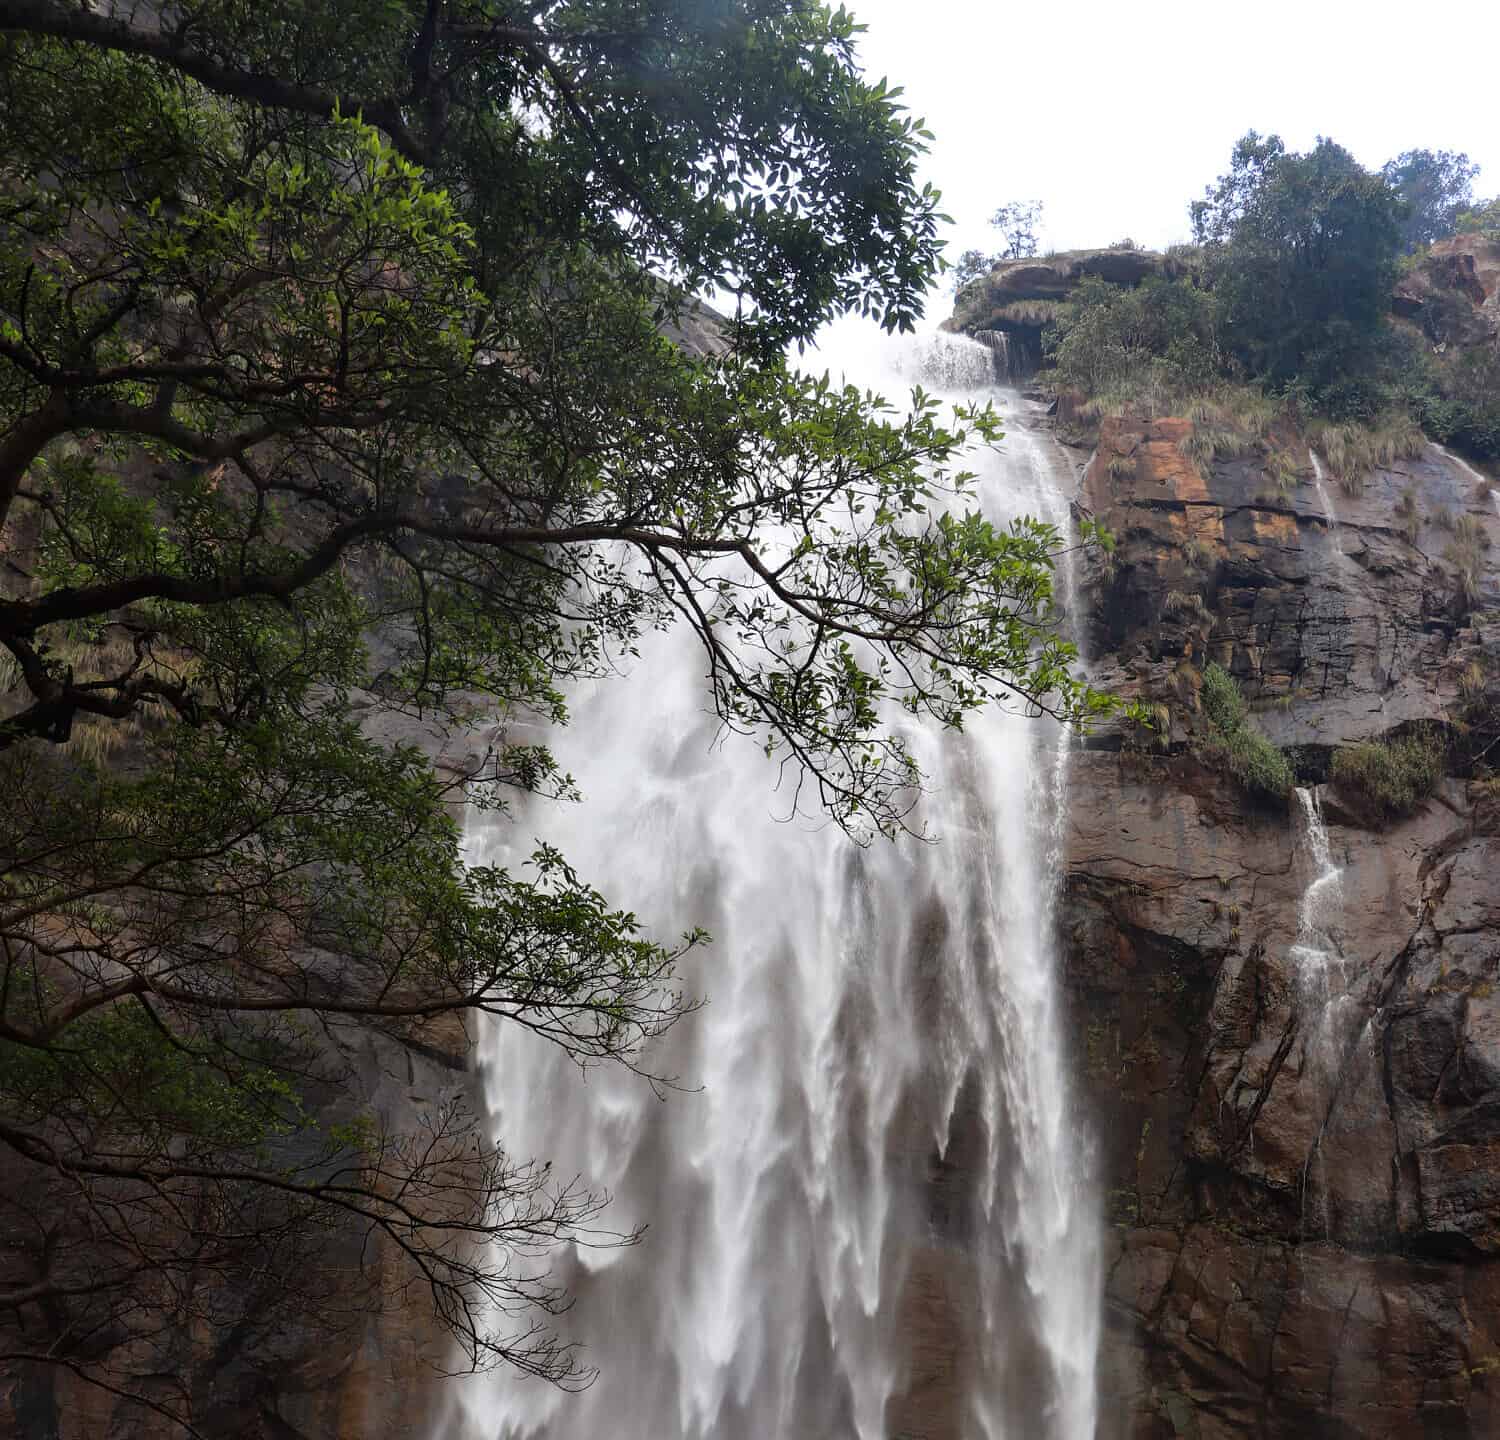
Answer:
(1325, 502)
(1017, 354)
(1460, 463)
(1316, 950)
(1480, 480)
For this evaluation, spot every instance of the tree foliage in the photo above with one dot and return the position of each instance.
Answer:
(1017, 223)
(1158, 340)
(1301, 254)
(970, 266)
(1437, 186)
(1484, 216)
(335, 397)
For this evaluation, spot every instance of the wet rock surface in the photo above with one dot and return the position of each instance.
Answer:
(1298, 1134)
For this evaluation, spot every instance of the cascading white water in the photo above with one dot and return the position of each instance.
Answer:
(877, 1117)
(1316, 950)
(1325, 500)
(1329, 1016)
(1458, 462)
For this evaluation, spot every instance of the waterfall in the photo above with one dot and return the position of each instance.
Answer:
(869, 1204)
(1017, 354)
(1331, 1022)
(1459, 463)
(1325, 500)
(1316, 951)
(1483, 482)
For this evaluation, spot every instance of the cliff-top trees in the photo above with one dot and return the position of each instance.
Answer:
(1301, 256)
(1436, 186)
(333, 389)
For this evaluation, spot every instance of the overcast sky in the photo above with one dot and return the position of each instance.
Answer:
(1116, 115)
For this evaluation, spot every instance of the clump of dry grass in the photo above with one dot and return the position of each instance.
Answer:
(1233, 422)
(1352, 450)
(1026, 312)
(1411, 522)
(1471, 683)
(1282, 470)
(1466, 554)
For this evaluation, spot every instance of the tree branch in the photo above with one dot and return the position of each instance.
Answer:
(85, 27)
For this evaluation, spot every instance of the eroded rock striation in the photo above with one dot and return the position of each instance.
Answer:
(1288, 1022)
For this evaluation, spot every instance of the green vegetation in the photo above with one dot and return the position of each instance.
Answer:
(1285, 302)
(1352, 450)
(340, 388)
(1390, 777)
(1483, 218)
(1466, 554)
(1455, 395)
(1253, 760)
(1300, 251)
(1149, 345)
(1437, 188)
(1017, 223)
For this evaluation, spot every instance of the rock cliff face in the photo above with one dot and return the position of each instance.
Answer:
(1458, 269)
(1298, 1114)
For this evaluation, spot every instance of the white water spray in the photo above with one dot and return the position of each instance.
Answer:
(1328, 1011)
(1460, 463)
(1316, 950)
(883, 1127)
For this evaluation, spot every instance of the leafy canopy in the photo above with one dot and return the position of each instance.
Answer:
(1437, 186)
(337, 401)
(1017, 223)
(1156, 342)
(1301, 253)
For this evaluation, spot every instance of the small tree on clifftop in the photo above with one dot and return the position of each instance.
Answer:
(1436, 187)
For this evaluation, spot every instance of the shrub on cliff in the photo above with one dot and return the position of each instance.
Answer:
(1157, 339)
(1456, 396)
(331, 373)
(1253, 761)
(1482, 219)
(1390, 778)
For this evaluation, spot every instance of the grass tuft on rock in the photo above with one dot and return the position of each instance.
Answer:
(1256, 764)
(1390, 778)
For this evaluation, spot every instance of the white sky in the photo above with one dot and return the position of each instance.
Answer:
(1117, 115)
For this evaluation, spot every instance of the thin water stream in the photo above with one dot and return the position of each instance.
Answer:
(1482, 482)
(1325, 502)
(877, 1107)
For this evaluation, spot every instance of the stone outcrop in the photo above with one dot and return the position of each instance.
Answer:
(1453, 293)
(1009, 307)
(1299, 1135)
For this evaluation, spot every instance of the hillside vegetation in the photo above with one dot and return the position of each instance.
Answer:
(1279, 317)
